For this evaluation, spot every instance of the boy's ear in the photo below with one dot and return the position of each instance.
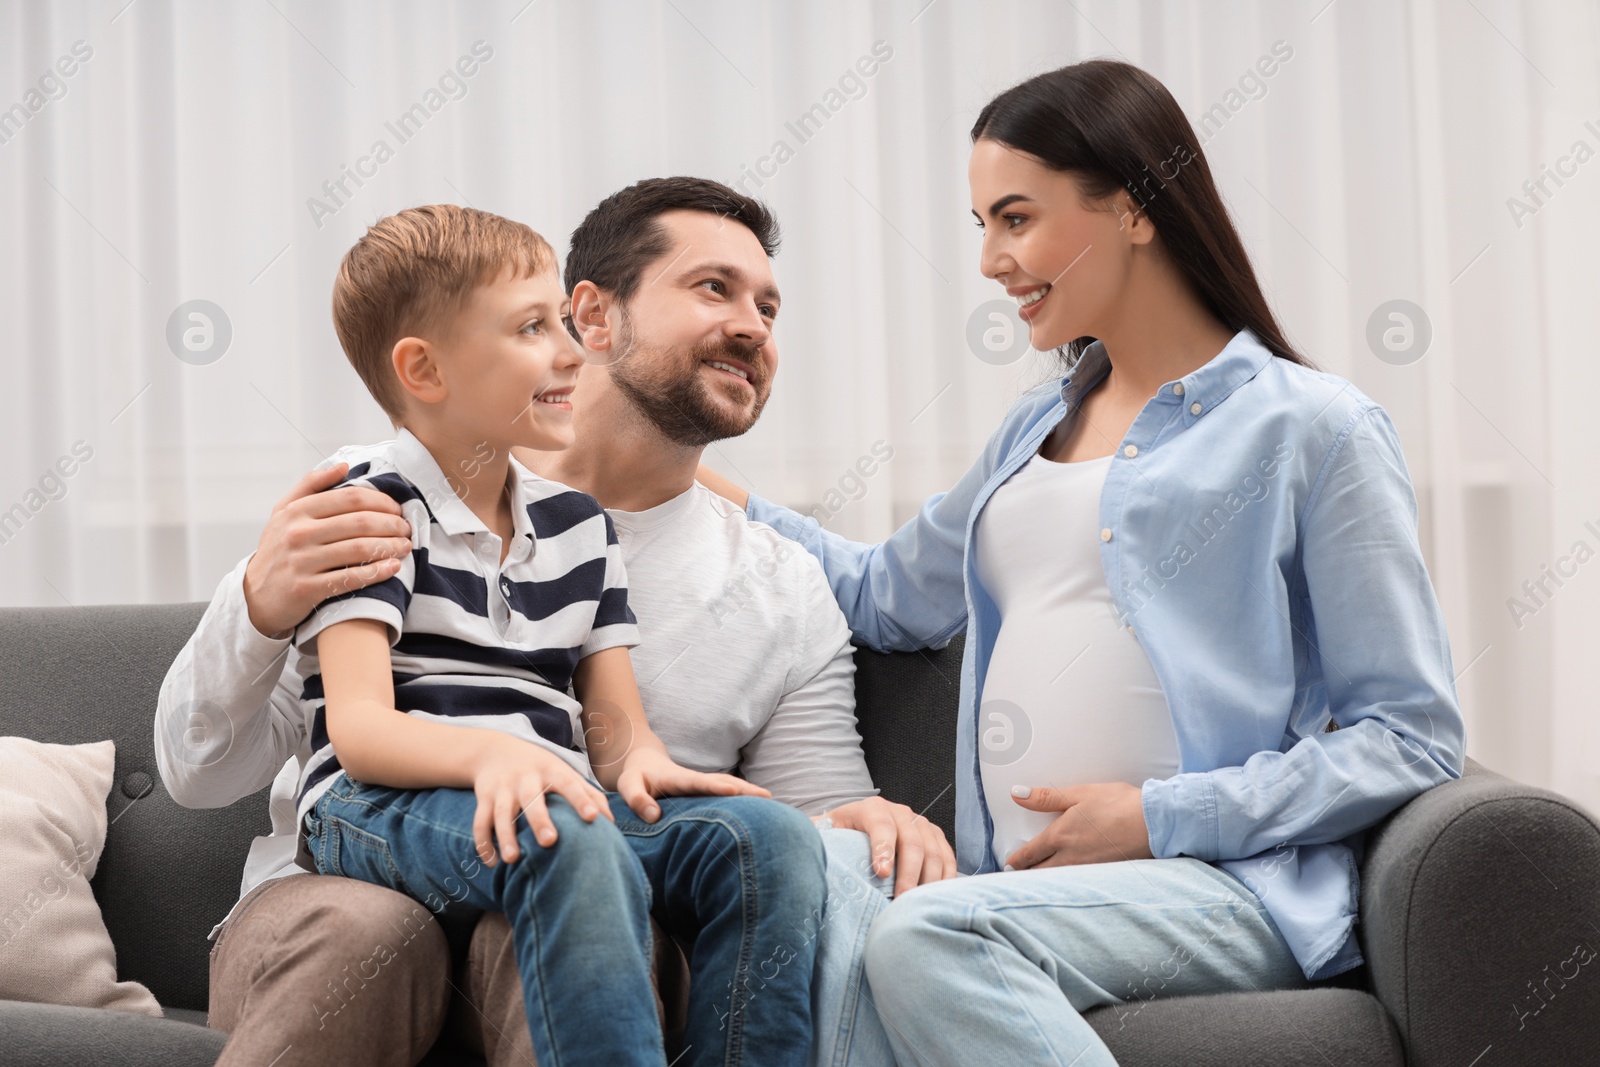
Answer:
(589, 317)
(416, 364)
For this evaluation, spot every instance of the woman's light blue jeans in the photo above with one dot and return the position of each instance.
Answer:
(996, 968)
(737, 876)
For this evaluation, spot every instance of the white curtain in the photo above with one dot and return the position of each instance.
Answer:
(157, 153)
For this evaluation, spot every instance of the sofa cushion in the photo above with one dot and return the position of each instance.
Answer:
(1310, 1027)
(54, 948)
(49, 1035)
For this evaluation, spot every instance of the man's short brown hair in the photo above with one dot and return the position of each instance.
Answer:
(413, 270)
(623, 234)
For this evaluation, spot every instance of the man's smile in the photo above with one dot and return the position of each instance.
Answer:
(738, 370)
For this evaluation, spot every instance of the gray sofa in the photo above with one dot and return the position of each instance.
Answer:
(1472, 895)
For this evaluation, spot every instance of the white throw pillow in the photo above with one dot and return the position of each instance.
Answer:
(54, 947)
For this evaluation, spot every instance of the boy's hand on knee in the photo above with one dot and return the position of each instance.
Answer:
(648, 773)
(511, 779)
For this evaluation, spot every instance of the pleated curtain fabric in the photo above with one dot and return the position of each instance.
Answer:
(180, 181)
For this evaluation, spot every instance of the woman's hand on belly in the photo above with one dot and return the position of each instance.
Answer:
(1100, 823)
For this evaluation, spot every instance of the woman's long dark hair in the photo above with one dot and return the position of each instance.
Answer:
(1113, 126)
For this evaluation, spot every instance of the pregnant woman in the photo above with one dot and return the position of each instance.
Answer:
(1203, 655)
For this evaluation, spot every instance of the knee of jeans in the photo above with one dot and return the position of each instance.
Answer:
(904, 935)
(849, 855)
(854, 887)
(781, 838)
(596, 847)
(772, 828)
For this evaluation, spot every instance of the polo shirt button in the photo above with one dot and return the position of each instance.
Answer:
(1177, 390)
(1131, 451)
(1105, 535)
(1194, 409)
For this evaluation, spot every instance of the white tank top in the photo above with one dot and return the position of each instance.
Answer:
(1070, 697)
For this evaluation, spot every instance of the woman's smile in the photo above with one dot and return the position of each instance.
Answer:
(1030, 299)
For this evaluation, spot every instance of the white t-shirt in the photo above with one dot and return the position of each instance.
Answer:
(745, 658)
(1069, 697)
(745, 663)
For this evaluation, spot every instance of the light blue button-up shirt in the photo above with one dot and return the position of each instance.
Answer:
(1258, 534)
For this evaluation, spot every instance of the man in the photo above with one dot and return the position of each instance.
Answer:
(745, 662)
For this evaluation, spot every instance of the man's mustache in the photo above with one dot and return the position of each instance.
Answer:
(734, 350)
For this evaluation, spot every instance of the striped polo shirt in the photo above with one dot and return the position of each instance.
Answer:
(474, 642)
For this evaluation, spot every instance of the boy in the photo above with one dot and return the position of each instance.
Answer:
(512, 600)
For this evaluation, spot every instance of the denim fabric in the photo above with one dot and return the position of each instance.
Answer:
(996, 968)
(743, 879)
(736, 875)
(849, 1030)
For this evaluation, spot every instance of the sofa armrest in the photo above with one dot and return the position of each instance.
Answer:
(1480, 922)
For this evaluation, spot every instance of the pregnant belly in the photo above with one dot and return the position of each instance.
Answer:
(1067, 701)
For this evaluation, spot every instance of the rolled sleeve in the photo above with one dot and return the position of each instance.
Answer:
(1379, 633)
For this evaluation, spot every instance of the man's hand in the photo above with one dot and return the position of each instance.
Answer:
(903, 843)
(317, 544)
(1100, 823)
(512, 778)
(648, 772)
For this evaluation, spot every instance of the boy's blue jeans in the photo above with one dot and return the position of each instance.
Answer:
(740, 877)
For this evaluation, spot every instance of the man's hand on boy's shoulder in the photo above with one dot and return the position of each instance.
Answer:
(648, 772)
(318, 543)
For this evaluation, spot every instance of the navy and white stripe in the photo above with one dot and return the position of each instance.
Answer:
(475, 642)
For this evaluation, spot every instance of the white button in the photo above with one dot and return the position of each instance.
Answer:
(1194, 409)
(1177, 390)
(1105, 535)
(1131, 451)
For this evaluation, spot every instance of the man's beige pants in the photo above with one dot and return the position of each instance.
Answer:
(320, 970)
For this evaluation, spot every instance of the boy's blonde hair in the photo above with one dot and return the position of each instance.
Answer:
(413, 270)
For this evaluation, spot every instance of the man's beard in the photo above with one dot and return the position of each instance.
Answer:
(672, 397)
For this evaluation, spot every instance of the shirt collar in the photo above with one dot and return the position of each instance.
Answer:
(521, 500)
(651, 517)
(1199, 391)
(416, 465)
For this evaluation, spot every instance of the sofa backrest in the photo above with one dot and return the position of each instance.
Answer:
(168, 873)
(906, 703)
